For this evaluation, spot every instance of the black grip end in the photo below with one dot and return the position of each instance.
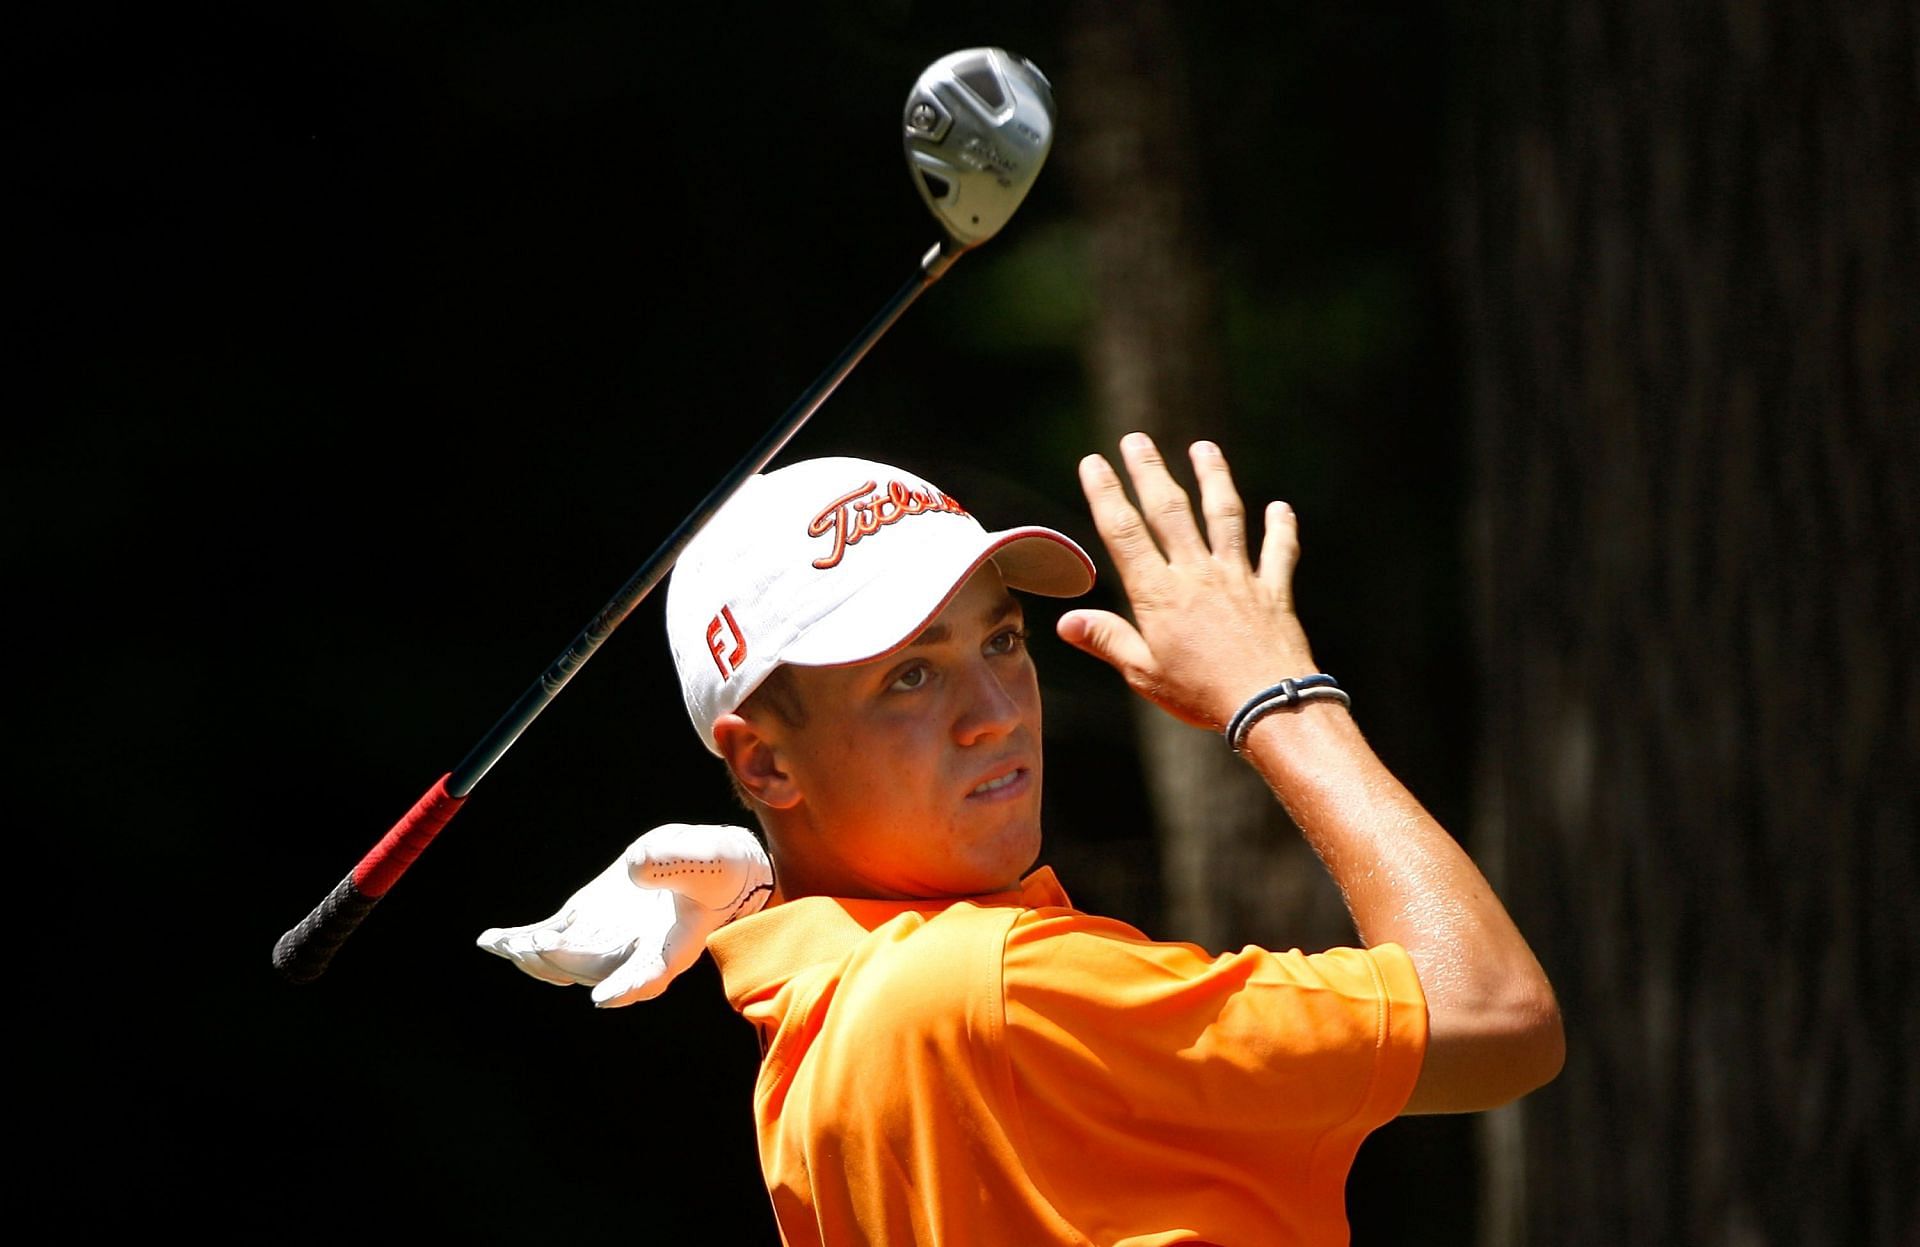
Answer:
(304, 952)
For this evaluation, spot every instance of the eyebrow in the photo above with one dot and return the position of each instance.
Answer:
(941, 632)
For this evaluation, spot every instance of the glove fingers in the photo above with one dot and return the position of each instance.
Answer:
(647, 973)
(519, 945)
(643, 977)
(559, 975)
(590, 937)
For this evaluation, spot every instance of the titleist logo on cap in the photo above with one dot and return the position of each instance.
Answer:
(866, 509)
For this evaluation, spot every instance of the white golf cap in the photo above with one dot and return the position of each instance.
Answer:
(833, 561)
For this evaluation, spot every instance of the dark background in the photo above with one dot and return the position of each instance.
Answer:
(372, 348)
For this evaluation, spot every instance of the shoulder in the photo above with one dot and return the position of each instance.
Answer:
(927, 969)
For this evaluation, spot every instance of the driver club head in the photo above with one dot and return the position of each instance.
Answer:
(979, 123)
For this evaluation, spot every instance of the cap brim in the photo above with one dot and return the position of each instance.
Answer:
(887, 613)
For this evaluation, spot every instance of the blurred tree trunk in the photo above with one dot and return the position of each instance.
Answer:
(1686, 257)
(1234, 869)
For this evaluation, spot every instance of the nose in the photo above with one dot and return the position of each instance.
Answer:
(988, 708)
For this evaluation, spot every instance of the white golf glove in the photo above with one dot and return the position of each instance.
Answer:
(645, 919)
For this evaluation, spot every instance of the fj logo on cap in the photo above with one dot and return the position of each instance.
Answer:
(716, 643)
(864, 511)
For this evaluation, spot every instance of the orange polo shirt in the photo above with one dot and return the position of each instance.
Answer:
(1009, 1070)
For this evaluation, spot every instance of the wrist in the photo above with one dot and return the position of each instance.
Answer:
(1286, 695)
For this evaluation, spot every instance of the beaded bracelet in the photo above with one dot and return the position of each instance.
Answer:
(1315, 687)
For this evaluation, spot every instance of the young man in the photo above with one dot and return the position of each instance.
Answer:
(952, 1052)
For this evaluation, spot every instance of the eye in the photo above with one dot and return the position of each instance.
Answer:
(912, 678)
(1007, 641)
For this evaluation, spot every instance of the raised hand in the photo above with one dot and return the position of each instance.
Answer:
(1210, 626)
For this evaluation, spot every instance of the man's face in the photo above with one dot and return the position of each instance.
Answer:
(918, 774)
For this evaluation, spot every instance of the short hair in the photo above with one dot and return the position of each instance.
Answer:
(779, 696)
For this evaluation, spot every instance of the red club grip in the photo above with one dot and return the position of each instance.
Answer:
(304, 951)
(383, 865)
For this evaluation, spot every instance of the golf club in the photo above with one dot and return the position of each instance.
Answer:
(978, 124)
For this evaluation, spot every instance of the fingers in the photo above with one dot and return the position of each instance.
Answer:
(1280, 552)
(641, 977)
(1117, 643)
(1163, 504)
(521, 945)
(1219, 501)
(1163, 529)
(652, 968)
(1135, 556)
(596, 931)
(501, 941)
(1201, 610)
(514, 942)
(1107, 637)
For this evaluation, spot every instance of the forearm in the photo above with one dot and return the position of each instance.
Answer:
(1407, 881)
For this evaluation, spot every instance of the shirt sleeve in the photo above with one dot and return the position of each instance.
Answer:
(1296, 1052)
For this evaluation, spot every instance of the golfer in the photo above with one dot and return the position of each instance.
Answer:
(953, 1053)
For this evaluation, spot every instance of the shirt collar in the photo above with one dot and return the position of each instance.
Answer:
(758, 953)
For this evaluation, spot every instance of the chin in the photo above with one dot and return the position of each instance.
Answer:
(1019, 858)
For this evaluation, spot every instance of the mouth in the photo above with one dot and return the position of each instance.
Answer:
(1007, 784)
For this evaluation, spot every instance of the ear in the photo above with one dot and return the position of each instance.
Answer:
(755, 760)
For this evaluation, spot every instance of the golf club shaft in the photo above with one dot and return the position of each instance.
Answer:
(305, 951)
